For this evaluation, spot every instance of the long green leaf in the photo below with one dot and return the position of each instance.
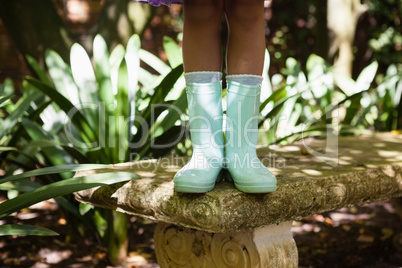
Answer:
(122, 108)
(276, 96)
(54, 170)
(23, 106)
(62, 188)
(173, 52)
(117, 55)
(33, 116)
(22, 185)
(266, 83)
(148, 81)
(4, 99)
(133, 68)
(158, 97)
(153, 61)
(277, 108)
(77, 155)
(121, 116)
(106, 96)
(61, 75)
(6, 149)
(87, 133)
(25, 159)
(164, 87)
(84, 77)
(346, 84)
(165, 126)
(17, 229)
(38, 70)
(174, 112)
(366, 76)
(133, 65)
(55, 154)
(102, 67)
(163, 144)
(83, 74)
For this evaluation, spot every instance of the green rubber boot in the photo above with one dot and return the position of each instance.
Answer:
(246, 170)
(205, 113)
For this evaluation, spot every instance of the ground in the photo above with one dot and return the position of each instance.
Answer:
(366, 236)
(369, 236)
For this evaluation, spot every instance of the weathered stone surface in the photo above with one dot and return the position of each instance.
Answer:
(368, 168)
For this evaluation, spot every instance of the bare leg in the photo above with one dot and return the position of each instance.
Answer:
(245, 62)
(202, 66)
(201, 36)
(246, 45)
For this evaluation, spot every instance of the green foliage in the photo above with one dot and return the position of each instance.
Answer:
(88, 113)
(317, 101)
(13, 229)
(59, 188)
(299, 28)
(101, 103)
(296, 29)
(386, 101)
(386, 33)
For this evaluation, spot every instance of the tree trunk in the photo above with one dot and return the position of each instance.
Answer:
(342, 20)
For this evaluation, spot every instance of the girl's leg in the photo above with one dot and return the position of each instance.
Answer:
(202, 65)
(246, 45)
(201, 35)
(245, 62)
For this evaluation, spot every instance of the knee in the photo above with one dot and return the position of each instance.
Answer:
(203, 11)
(246, 12)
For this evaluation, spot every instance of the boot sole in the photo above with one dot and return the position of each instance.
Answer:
(199, 189)
(251, 189)
(256, 189)
(193, 188)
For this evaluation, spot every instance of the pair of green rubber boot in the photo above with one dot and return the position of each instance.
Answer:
(205, 167)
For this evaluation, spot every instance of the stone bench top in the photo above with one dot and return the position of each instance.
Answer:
(365, 169)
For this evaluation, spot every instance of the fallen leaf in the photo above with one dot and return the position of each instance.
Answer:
(358, 221)
(329, 221)
(100, 255)
(346, 227)
(62, 221)
(304, 151)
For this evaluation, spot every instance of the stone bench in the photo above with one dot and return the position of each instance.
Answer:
(227, 228)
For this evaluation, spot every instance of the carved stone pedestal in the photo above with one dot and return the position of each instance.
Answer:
(269, 246)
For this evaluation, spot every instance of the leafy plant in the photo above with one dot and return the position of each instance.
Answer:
(386, 102)
(92, 114)
(312, 103)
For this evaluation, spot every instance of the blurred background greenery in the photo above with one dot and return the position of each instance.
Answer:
(100, 82)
